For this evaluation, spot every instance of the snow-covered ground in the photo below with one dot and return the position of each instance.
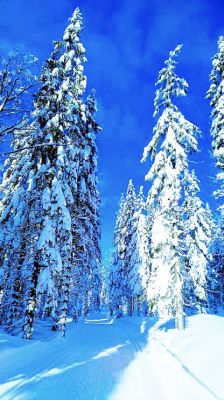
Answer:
(126, 359)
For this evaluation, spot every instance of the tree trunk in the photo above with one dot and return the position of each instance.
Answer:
(31, 302)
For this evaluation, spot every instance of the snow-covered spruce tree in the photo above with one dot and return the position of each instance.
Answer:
(130, 267)
(87, 279)
(66, 117)
(214, 261)
(139, 267)
(51, 163)
(38, 202)
(116, 271)
(104, 295)
(149, 209)
(196, 239)
(17, 82)
(14, 241)
(173, 139)
(215, 268)
(125, 247)
(92, 207)
(216, 96)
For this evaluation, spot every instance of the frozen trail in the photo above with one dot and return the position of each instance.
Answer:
(86, 365)
(106, 359)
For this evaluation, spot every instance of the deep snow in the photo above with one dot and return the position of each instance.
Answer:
(126, 359)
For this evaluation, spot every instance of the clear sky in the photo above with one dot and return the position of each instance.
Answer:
(127, 42)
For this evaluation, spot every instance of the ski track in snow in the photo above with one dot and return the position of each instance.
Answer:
(102, 359)
(173, 355)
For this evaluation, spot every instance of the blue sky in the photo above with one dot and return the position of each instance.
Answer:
(127, 42)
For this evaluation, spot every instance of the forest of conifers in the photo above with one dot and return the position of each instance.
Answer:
(167, 256)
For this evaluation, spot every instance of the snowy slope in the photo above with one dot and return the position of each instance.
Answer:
(131, 358)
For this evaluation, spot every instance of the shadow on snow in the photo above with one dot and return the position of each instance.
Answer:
(86, 365)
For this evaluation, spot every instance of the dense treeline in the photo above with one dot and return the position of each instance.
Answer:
(177, 265)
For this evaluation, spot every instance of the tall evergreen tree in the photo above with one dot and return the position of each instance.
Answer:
(13, 221)
(116, 272)
(216, 273)
(130, 267)
(86, 291)
(40, 186)
(215, 94)
(197, 233)
(173, 139)
(139, 267)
